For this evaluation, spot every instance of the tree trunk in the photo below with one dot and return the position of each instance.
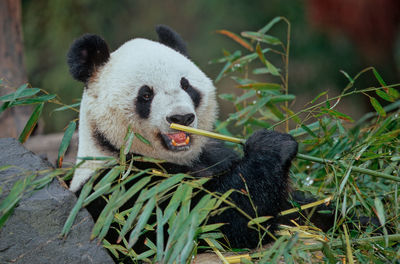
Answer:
(12, 69)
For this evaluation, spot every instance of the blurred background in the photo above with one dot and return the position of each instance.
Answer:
(327, 36)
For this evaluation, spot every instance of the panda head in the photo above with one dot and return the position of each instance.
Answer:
(145, 85)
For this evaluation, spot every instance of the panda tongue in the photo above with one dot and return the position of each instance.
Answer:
(179, 137)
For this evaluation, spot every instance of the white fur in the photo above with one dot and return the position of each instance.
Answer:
(108, 103)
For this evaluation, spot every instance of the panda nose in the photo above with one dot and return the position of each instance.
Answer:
(181, 119)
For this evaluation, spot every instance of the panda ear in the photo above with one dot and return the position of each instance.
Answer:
(85, 55)
(170, 38)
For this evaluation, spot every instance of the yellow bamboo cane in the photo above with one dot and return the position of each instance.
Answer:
(206, 133)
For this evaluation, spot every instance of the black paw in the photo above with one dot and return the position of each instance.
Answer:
(271, 142)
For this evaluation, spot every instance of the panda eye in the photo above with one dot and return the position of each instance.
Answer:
(184, 83)
(146, 93)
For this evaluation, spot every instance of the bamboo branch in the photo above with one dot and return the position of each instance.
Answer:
(299, 155)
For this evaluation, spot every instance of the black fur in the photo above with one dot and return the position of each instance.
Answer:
(264, 169)
(170, 38)
(85, 55)
(192, 92)
(143, 101)
(102, 140)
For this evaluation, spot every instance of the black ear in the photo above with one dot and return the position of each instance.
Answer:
(85, 54)
(170, 38)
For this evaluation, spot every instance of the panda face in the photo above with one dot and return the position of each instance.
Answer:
(147, 86)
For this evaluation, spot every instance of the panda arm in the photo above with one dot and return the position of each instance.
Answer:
(264, 171)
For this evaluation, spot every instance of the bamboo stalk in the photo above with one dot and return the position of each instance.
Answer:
(207, 133)
(299, 155)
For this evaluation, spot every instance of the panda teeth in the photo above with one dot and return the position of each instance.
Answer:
(171, 144)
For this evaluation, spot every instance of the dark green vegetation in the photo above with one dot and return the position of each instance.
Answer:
(355, 163)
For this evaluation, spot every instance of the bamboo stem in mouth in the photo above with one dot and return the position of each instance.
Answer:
(206, 133)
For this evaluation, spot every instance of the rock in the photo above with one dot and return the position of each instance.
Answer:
(46, 146)
(32, 233)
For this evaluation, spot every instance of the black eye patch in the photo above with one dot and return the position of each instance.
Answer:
(143, 101)
(192, 92)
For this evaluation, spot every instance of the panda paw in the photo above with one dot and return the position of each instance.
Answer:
(264, 142)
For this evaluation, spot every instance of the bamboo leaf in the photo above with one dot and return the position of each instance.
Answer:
(160, 235)
(99, 192)
(24, 93)
(34, 100)
(259, 220)
(380, 211)
(270, 24)
(109, 177)
(377, 106)
(69, 132)
(164, 185)
(236, 38)
(384, 96)
(109, 208)
(347, 76)
(208, 228)
(147, 210)
(318, 96)
(132, 215)
(30, 125)
(143, 139)
(65, 107)
(261, 37)
(379, 78)
(72, 215)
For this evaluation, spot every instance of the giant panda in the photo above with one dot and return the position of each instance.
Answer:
(147, 85)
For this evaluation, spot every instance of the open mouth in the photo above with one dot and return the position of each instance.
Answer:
(178, 141)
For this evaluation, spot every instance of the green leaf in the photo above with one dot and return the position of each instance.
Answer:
(164, 185)
(379, 77)
(109, 177)
(24, 93)
(254, 108)
(160, 235)
(228, 97)
(270, 24)
(208, 228)
(65, 107)
(393, 93)
(377, 106)
(347, 76)
(78, 205)
(147, 210)
(132, 215)
(259, 220)
(30, 125)
(100, 191)
(34, 100)
(318, 96)
(337, 114)
(261, 37)
(109, 208)
(245, 96)
(282, 98)
(69, 132)
(380, 211)
(143, 139)
(384, 96)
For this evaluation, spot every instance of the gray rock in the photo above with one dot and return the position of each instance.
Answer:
(32, 232)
